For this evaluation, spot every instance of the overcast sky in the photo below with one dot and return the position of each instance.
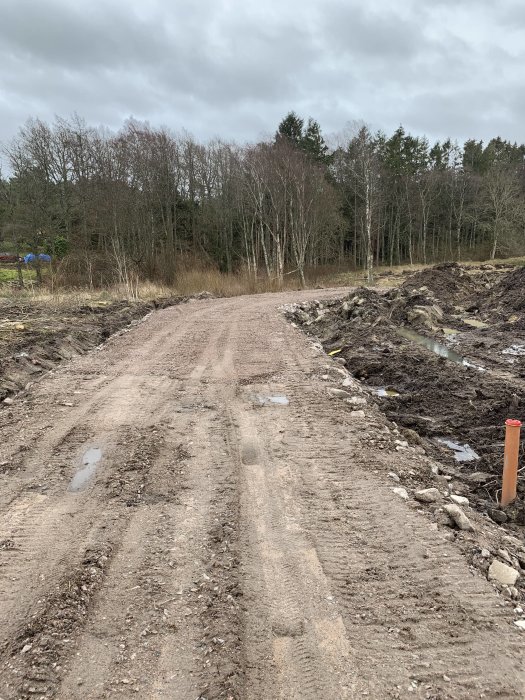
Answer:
(234, 69)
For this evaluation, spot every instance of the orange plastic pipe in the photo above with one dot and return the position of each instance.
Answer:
(510, 461)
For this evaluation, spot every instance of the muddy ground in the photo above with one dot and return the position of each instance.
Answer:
(192, 511)
(442, 356)
(36, 336)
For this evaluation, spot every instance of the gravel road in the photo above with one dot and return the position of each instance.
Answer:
(187, 513)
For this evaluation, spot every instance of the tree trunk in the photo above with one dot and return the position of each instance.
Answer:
(368, 224)
(495, 240)
(19, 272)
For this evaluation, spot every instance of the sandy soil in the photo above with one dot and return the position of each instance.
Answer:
(227, 546)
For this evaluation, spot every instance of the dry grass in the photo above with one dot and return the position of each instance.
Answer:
(220, 284)
(227, 285)
(58, 298)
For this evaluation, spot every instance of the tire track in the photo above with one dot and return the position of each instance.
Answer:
(394, 578)
(301, 626)
(252, 551)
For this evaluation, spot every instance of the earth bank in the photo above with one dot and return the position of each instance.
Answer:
(442, 357)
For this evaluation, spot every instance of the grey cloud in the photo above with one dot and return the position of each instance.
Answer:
(217, 67)
(375, 34)
(80, 35)
(463, 114)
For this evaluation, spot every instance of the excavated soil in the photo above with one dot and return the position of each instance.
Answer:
(35, 337)
(464, 398)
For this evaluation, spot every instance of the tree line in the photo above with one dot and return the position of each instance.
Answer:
(157, 201)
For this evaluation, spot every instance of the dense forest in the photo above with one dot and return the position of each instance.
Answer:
(157, 201)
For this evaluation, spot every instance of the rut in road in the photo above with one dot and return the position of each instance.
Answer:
(227, 546)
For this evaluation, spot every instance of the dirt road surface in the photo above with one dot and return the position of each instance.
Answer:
(224, 546)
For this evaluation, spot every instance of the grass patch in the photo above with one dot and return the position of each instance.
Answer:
(10, 274)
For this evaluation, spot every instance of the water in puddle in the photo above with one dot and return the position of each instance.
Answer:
(267, 400)
(383, 392)
(437, 348)
(90, 460)
(462, 453)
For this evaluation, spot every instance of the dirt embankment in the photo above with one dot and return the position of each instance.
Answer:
(444, 357)
(36, 337)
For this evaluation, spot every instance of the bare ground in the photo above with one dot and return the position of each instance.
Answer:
(225, 548)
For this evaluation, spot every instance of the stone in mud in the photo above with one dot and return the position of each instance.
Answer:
(459, 517)
(303, 317)
(498, 516)
(459, 500)
(357, 414)
(356, 401)
(478, 477)
(400, 491)
(429, 316)
(339, 393)
(428, 495)
(411, 436)
(505, 555)
(394, 476)
(337, 370)
(509, 539)
(502, 573)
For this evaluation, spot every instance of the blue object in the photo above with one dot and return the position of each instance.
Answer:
(31, 257)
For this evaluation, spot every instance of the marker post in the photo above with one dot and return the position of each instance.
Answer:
(510, 462)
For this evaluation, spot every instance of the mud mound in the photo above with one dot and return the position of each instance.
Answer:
(333, 320)
(365, 304)
(449, 283)
(509, 292)
(458, 386)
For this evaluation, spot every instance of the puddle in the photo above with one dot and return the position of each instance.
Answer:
(437, 348)
(432, 345)
(384, 392)
(462, 453)
(515, 350)
(475, 323)
(269, 400)
(90, 460)
(449, 331)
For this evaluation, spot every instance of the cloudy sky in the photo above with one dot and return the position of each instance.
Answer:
(234, 69)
